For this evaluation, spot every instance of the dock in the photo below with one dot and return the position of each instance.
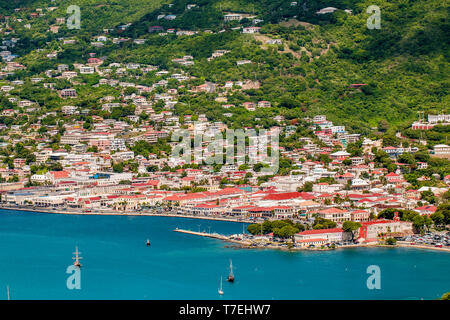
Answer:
(213, 235)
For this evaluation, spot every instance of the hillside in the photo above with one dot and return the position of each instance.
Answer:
(404, 64)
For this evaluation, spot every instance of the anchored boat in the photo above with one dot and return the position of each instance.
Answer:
(77, 258)
(231, 275)
(220, 290)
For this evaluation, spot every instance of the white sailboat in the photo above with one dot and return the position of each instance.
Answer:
(220, 290)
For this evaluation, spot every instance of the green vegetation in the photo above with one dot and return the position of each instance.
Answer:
(280, 228)
(442, 215)
(390, 241)
(351, 226)
(446, 296)
(420, 222)
(404, 64)
(144, 148)
(321, 223)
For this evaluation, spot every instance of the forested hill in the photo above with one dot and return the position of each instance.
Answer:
(405, 64)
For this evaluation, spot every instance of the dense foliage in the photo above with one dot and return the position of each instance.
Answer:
(404, 64)
(280, 228)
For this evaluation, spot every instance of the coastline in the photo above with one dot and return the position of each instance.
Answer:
(242, 244)
(246, 244)
(419, 246)
(124, 213)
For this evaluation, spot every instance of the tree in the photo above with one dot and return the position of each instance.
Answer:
(307, 187)
(407, 158)
(438, 218)
(243, 167)
(300, 227)
(422, 156)
(324, 158)
(446, 296)
(321, 223)
(428, 196)
(279, 224)
(287, 231)
(118, 167)
(390, 140)
(444, 209)
(420, 222)
(254, 228)
(446, 195)
(347, 162)
(355, 149)
(257, 167)
(391, 241)
(383, 125)
(56, 166)
(351, 226)
(92, 149)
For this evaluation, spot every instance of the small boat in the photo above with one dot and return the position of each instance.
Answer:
(231, 275)
(77, 258)
(148, 242)
(220, 290)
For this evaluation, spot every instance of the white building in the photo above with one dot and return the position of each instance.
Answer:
(118, 144)
(232, 16)
(371, 230)
(69, 110)
(87, 70)
(251, 30)
(442, 150)
(326, 10)
(321, 237)
(438, 118)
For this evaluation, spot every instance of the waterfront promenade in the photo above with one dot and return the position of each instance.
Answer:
(122, 213)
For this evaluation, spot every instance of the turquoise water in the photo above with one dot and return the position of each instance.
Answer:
(36, 249)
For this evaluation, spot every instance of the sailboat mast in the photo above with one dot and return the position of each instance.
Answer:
(77, 258)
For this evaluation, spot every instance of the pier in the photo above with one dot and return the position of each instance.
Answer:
(214, 236)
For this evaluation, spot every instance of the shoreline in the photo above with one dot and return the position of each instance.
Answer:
(247, 244)
(402, 244)
(243, 245)
(124, 213)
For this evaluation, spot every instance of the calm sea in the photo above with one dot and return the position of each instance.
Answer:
(36, 249)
